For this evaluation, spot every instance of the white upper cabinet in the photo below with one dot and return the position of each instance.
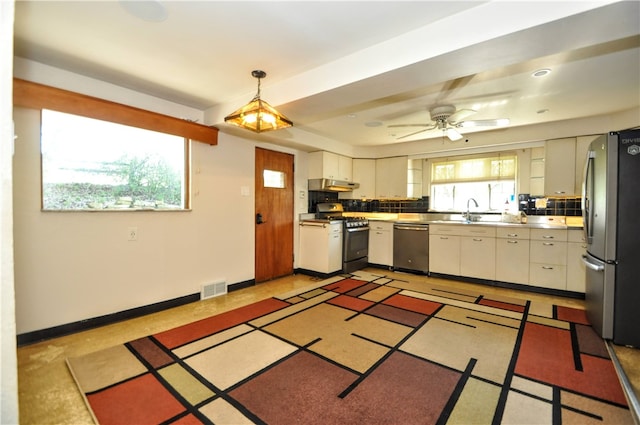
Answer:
(391, 177)
(364, 173)
(560, 167)
(330, 166)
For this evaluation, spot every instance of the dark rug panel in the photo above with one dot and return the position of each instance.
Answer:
(590, 343)
(397, 315)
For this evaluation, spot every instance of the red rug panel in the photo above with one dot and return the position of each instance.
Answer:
(574, 315)
(142, 400)
(546, 354)
(502, 305)
(345, 285)
(413, 304)
(188, 333)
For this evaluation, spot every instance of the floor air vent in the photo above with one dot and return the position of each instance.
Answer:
(214, 289)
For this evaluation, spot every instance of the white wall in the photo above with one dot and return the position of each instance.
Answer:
(8, 358)
(71, 266)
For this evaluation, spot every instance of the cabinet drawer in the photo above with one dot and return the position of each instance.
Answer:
(548, 252)
(444, 229)
(384, 226)
(513, 233)
(462, 230)
(548, 276)
(549, 234)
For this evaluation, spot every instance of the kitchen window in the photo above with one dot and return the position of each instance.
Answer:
(90, 164)
(490, 180)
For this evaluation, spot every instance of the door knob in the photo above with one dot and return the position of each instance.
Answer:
(259, 219)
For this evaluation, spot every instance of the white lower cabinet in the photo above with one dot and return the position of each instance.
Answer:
(381, 243)
(444, 254)
(478, 253)
(462, 250)
(321, 247)
(512, 255)
(576, 271)
(548, 258)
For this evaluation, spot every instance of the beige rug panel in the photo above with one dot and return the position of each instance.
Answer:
(451, 338)
(228, 364)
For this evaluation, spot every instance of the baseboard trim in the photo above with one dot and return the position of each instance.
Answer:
(96, 322)
(509, 285)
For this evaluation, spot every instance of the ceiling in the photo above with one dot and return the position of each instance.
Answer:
(343, 71)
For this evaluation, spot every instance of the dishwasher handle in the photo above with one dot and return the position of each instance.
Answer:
(409, 227)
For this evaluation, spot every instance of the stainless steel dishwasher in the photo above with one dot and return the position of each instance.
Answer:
(411, 247)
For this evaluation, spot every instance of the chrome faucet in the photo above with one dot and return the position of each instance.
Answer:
(468, 213)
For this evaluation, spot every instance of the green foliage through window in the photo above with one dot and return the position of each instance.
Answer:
(89, 164)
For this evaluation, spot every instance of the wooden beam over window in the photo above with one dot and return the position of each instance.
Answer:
(38, 96)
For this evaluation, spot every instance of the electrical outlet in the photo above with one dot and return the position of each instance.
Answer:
(133, 234)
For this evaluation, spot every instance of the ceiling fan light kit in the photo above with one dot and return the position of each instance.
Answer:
(258, 115)
(446, 118)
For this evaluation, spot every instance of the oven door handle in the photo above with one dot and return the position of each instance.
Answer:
(357, 229)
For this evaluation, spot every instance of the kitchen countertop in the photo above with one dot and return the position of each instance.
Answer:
(540, 222)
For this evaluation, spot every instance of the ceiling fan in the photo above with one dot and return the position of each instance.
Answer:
(448, 119)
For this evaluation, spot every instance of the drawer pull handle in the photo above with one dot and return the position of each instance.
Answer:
(512, 241)
(512, 235)
(547, 237)
(477, 240)
(442, 237)
(547, 268)
(547, 243)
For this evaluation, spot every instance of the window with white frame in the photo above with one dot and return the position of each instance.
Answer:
(489, 179)
(90, 164)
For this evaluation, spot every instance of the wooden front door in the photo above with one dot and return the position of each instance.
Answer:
(274, 214)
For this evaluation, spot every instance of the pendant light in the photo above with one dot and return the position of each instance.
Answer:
(258, 115)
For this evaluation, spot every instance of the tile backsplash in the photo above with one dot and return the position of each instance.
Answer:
(557, 205)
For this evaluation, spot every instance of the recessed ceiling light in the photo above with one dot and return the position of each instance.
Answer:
(373, 124)
(147, 10)
(541, 72)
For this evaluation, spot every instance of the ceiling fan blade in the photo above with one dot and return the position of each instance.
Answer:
(484, 123)
(411, 125)
(460, 115)
(411, 134)
(453, 134)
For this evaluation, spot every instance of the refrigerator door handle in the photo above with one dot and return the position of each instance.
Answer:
(587, 195)
(590, 265)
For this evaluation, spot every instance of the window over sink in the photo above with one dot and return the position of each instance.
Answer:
(489, 179)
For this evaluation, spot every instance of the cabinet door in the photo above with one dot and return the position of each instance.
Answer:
(313, 248)
(391, 177)
(381, 244)
(329, 165)
(559, 167)
(444, 254)
(364, 173)
(334, 248)
(478, 257)
(576, 271)
(512, 260)
(345, 168)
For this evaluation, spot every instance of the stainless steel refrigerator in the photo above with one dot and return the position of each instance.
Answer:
(611, 212)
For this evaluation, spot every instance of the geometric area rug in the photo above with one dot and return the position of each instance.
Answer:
(362, 349)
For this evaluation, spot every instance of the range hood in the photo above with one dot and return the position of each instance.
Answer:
(330, 185)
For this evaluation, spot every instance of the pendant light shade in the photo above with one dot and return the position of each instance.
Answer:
(258, 115)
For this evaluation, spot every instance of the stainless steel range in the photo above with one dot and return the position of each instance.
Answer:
(355, 235)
